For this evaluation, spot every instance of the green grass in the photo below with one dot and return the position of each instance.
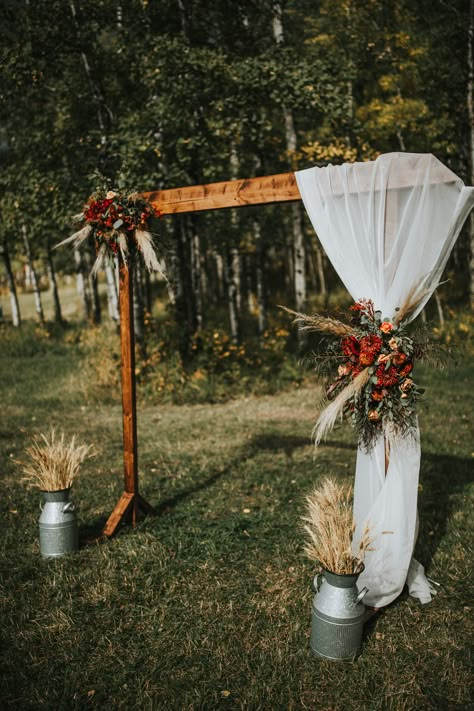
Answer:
(207, 605)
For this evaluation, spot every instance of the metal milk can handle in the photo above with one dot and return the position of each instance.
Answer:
(317, 582)
(69, 507)
(361, 595)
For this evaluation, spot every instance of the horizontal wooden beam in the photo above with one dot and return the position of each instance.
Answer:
(231, 193)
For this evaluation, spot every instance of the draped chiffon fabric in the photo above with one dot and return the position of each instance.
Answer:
(388, 227)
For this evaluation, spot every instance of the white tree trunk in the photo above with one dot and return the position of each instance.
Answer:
(58, 317)
(232, 295)
(92, 286)
(299, 258)
(439, 308)
(196, 276)
(82, 285)
(320, 270)
(298, 250)
(219, 273)
(33, 275)
(259, 278)
(112, 293)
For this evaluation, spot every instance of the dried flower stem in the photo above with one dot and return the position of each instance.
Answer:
(322, 324)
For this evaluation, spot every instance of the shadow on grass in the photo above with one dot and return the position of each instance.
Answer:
(443, 480)
(168, 505)
(91, 531)
(288, 443)
(275, 442)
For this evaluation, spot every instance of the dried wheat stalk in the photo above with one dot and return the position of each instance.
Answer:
(54, 463)
(322, 324)
(330, 526)
(412, 300)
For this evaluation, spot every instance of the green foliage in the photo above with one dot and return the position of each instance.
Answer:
(215, 371)
(162, 96)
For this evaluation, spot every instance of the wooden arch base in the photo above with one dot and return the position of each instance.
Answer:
(130, 503)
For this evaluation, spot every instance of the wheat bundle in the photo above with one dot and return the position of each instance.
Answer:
(54, 463)
(330, 527)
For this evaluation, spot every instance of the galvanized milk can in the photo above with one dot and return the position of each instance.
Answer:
(58, 531)
(338, 616)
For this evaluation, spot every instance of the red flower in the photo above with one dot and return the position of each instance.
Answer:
(364, 306)
(406, 370)
(386, 378)
(370, 347)
(350, 346)
(95, 209)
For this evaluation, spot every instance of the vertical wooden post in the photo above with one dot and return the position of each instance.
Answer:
(130, 501)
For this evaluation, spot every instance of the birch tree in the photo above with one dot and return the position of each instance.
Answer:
(14, 304)
(33, 275)
(298, 251)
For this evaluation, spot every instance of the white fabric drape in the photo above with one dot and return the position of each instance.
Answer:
(388, 226)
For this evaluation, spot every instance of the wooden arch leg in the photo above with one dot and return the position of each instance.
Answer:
(131, 502)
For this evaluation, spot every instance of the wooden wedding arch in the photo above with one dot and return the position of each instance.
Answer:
(214, 196)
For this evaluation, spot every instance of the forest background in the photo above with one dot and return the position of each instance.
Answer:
(149, 95)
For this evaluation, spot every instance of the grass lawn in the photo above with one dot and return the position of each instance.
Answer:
(208, 604)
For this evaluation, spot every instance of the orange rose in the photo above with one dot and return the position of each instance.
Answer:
(406, 385)
(344, 369)
(386, 326)
(376, 395)
(373, 415)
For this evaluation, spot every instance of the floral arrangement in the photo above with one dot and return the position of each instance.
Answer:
(369, 361)
(119, 225)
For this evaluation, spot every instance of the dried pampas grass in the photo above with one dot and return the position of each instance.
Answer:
(413, 299)
(145, 242)
(77, 238)
(334, 411)
(330, 527)
(54, 463)
(321, 324)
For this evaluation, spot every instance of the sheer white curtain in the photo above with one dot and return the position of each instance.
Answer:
(388, 226)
